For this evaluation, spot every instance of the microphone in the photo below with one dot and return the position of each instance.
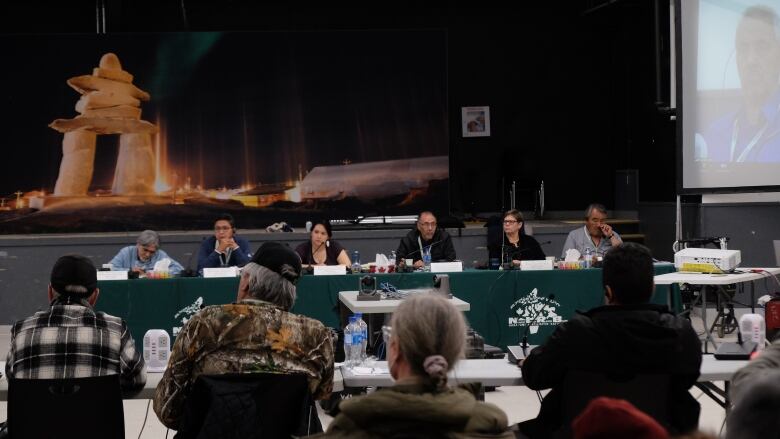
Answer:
(418, 250)
(327, 243)
(519, 251)
(524, 343)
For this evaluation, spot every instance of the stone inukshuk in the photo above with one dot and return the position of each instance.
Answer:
(109, 104)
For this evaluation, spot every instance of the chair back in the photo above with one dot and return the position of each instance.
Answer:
(647, 392)
(65, 408)
(249, 405)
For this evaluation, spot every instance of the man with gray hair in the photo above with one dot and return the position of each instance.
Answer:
(142, 256)
(255, 334)
(597, 235)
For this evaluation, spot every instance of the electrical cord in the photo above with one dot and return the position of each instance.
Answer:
(148, 403)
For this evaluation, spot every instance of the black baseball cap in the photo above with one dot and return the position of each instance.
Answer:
(73, 274)
(272, 255)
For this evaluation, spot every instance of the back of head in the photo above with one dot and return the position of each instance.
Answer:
(431, 335)
(74, 275)
(628, 271)
(607, 418)
(273, 273)
(754, 414)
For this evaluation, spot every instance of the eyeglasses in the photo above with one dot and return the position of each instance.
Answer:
(221, 228)
(428, 225)
(387, 332)
(510, 221)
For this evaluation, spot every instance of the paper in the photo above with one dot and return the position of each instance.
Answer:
(162, 264)
(446, 267)
(572, 255)
(329, 270)
(370, 370)
(112, 275)
(220, 272)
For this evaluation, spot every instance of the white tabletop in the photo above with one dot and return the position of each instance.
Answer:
(384, 306)
(503, 373)
(152, 379)
(714, 279)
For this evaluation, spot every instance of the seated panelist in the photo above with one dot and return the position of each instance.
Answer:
(320, 249)
(224, 249)
(142, 256)
(596, 235)
(426, 237)
(516, 245)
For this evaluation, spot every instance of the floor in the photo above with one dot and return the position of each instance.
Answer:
(519, 403)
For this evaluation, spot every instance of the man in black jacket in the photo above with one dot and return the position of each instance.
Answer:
(627, 336)
(425, 236)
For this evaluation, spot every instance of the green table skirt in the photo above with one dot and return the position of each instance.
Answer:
(503, 303)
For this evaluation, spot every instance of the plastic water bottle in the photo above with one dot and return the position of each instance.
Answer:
(363, 328)
(357, 342)
(355, 261)
(588, 257)
(426, 257)
(348, 342)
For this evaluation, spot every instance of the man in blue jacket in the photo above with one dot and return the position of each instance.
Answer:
(224, 249)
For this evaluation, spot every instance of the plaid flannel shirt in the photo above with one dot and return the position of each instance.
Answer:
(74, 341)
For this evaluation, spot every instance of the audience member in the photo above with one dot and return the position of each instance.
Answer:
(596, 235)
(426, 237)
(627, 336)
(71, 339)
(142, 256)
(224, 249)
(609, 418)
(766, 363)
(257, 333)
(426, 339)
(754, 412)
(320, 249)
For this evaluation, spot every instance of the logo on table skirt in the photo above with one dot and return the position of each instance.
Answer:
(187, 312)
(534, 311)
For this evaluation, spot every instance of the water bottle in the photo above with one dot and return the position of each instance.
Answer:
(363, 328)
(588, 257)
(426, 257)
(356, 261)
(348, 338)
(357, 342)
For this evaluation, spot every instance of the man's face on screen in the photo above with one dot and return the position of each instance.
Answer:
(758, 57)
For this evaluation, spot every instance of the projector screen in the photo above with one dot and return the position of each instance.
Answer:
(729, 62)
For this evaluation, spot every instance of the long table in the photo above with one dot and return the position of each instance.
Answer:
(502, 303)
(488, 372)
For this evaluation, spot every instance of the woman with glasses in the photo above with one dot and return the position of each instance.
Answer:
(224, 249)
(427, 338)
(515, 245)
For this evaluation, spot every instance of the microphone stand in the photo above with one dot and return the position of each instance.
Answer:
(524, 342)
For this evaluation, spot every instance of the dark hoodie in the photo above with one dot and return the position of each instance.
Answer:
(619, 339)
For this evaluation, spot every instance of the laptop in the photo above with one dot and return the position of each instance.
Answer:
(515, 353)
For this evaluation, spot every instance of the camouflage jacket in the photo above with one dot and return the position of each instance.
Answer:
(249, 336)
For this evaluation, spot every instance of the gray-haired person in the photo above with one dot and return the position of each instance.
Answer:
(258, 333)
(142, 256)
(596, 235)
(426, 339)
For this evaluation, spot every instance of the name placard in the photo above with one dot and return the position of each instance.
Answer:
(220, 272)
(446, 267)
(536, 265)
(112, 275)
(329, 270)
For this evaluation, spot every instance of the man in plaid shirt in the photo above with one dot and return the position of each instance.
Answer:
(71, 339)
